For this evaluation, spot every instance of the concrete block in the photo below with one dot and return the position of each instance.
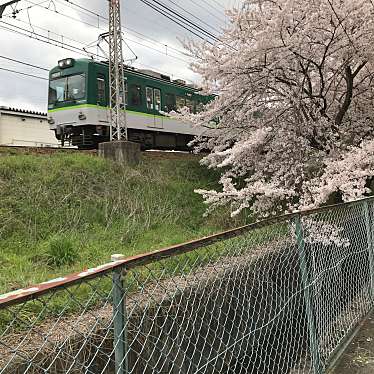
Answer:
(124, 152)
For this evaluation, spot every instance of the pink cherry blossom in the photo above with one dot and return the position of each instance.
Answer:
(295, 101)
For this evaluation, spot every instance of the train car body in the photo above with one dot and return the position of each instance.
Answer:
(79, 98)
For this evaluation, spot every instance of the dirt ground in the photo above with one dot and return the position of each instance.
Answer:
(359, 356)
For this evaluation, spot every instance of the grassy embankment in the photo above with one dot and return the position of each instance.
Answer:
(64, 212)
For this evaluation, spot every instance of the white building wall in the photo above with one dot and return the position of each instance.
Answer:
(19, 128)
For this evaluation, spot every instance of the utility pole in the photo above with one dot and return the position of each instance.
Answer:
(118, 125)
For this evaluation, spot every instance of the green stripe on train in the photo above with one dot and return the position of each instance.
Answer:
(85, 106)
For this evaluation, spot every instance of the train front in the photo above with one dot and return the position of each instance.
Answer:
(71, 115)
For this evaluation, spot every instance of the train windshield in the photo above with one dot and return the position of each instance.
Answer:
(67, 89)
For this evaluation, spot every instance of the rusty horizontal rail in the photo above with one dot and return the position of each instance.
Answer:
(33, 292)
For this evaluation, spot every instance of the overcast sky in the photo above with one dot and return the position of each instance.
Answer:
(68, 24)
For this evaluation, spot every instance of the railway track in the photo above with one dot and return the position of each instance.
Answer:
(39, 150)
(25, 150)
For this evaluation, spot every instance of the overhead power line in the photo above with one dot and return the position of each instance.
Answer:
(5, 5)
(82, 9)
(143, 37)
(80, 50)
(45, 39)
(184, 22)
(21, 73)
(85, 44)
(200, 5)
(218, 4)
(24, 63)
(16, 11)
(95, 14)
(60, 44)
(181, 24)
(171, 13)
(191, 14)
(63, 40)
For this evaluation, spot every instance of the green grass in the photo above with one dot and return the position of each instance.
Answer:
(64, 212)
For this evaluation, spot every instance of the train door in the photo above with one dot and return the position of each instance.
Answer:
(102, 112)
(153, 96)
(158, 119)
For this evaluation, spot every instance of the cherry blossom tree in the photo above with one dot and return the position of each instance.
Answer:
(295, 100)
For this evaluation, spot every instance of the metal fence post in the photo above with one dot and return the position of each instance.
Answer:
(369, 233)
(314, 348)
(119, 319)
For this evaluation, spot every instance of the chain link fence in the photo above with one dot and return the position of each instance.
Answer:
(279, 296)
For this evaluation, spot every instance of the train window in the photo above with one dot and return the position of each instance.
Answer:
(121, 95)
(135, 95)
(181, 102)
(100, 89)
(149, 96)
(76, 87)
(69, 88)
(157, 97)
(170, 102)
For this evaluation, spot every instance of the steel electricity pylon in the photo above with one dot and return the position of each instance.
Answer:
(118, 128)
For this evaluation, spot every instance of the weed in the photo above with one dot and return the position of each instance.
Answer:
(50, 204)
(61, 252)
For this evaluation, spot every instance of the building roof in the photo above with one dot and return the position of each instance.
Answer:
(22, 111)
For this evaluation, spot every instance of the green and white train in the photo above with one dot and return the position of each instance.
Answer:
(79, 98)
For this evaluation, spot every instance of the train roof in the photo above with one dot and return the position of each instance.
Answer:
(149, 74)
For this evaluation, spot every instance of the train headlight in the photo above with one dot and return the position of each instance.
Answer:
(66, 63)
